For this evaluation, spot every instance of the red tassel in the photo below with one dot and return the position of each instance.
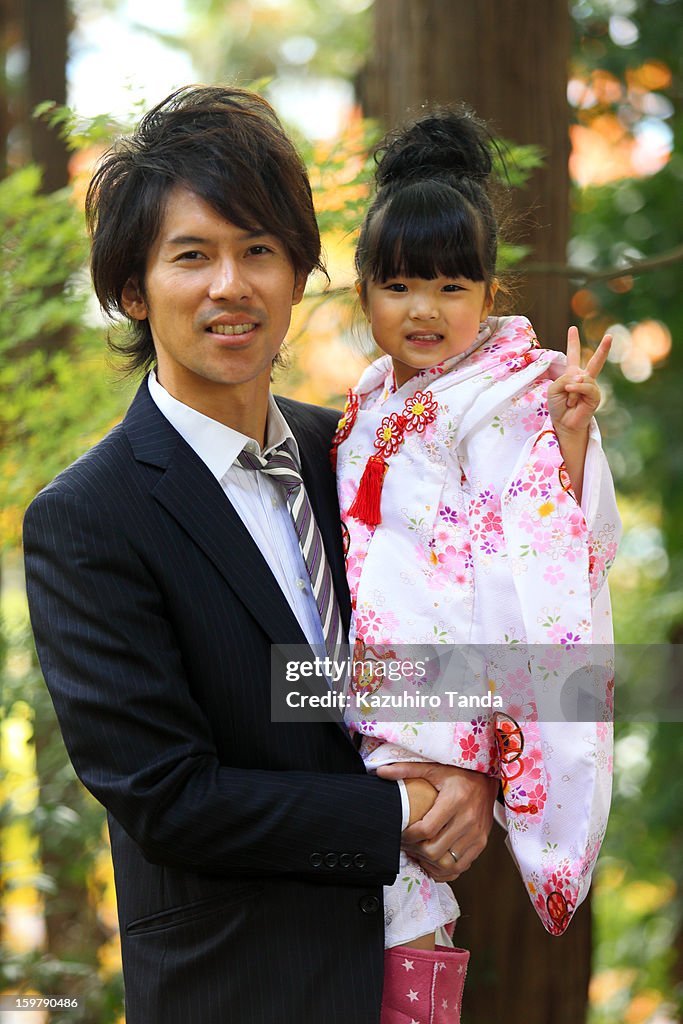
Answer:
(366, 504)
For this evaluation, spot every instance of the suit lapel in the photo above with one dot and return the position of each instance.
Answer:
(195, 499)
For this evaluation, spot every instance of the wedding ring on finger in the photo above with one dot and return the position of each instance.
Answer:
(454, 856)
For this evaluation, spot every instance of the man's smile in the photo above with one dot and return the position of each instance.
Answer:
(232, 329)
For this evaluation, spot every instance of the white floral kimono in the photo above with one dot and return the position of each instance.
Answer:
(482, 542)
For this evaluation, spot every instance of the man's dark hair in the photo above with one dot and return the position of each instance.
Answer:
(225, 144)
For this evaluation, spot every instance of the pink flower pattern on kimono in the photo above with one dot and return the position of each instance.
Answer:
(428, 560)
(354, 567)
(486, 525)
(545, 459)
(374, 627)
(553, 575)
(555, 633)
(456, 565)
(470, 748)
(602, 552)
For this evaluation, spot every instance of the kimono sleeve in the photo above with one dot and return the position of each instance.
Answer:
(556, 766)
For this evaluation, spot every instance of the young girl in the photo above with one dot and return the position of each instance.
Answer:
(477, 509)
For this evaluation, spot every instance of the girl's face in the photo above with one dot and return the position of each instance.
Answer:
(420, 322)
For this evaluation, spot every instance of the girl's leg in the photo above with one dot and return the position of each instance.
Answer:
(423, 986)
(423, 942)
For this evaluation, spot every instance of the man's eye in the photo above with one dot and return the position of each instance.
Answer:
(259, 250)
(190, 255)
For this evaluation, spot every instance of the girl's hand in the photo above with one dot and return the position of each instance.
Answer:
(574, 397)
(421, 797)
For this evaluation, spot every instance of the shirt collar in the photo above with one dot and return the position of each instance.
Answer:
(216, 444)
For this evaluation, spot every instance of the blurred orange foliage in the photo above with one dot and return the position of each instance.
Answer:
(604, 145)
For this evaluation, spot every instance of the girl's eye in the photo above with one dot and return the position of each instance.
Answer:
(452, 288)
(396, 286)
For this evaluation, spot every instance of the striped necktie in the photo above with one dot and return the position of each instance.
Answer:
(281, 466)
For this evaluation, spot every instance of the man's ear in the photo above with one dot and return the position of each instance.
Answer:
(299, 288)
(133, 301)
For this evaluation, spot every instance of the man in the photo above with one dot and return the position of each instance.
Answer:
(249, 855)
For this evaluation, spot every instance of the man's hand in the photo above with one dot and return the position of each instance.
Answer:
(459, 821)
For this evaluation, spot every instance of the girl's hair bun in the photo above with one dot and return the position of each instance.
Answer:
(445, 143)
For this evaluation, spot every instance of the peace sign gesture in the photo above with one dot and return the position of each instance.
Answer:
(574, 397)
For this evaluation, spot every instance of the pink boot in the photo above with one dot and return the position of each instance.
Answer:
(422, 986)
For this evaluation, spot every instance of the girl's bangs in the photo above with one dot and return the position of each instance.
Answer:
(425, 235)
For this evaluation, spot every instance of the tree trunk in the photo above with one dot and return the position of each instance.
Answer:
(509, 62)
(4, 89)
(46, 35)
(10, 33)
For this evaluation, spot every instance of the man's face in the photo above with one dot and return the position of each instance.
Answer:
(219, 303)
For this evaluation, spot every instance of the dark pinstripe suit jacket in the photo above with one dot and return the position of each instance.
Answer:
(154, 613)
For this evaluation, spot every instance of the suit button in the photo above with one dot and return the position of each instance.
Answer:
(331, 859)
(369, 904)
(359, 860)
(346, 860)
(316, 859)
